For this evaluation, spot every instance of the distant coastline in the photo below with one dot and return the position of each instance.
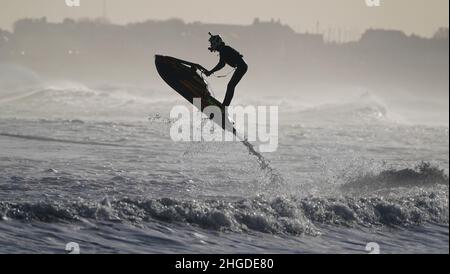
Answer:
(278, 56)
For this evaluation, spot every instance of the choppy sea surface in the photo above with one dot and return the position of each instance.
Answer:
(97, 166)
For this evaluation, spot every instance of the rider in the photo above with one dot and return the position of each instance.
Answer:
(229, 56)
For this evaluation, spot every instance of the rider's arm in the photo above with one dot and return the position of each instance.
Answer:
(218, 67)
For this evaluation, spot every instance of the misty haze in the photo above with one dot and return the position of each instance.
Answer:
(362, 151)
(282, 61)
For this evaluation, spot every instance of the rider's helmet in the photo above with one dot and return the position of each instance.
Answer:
(215, 41)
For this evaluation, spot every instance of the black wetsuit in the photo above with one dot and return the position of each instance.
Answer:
(233, 58)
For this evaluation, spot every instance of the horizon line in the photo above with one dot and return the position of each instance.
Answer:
(256, 20)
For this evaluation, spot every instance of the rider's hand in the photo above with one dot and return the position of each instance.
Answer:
(207, 73)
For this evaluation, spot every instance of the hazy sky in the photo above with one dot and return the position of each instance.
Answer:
(412, 16)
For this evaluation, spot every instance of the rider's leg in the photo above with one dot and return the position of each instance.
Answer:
(237, 76)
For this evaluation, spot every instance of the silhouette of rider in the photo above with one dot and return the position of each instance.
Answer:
(229, 56)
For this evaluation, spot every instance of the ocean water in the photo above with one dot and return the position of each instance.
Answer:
(96, 166)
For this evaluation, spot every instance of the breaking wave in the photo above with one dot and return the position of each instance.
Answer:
(281, 215)
(424, 174)
(72, 100)
(364, 109)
